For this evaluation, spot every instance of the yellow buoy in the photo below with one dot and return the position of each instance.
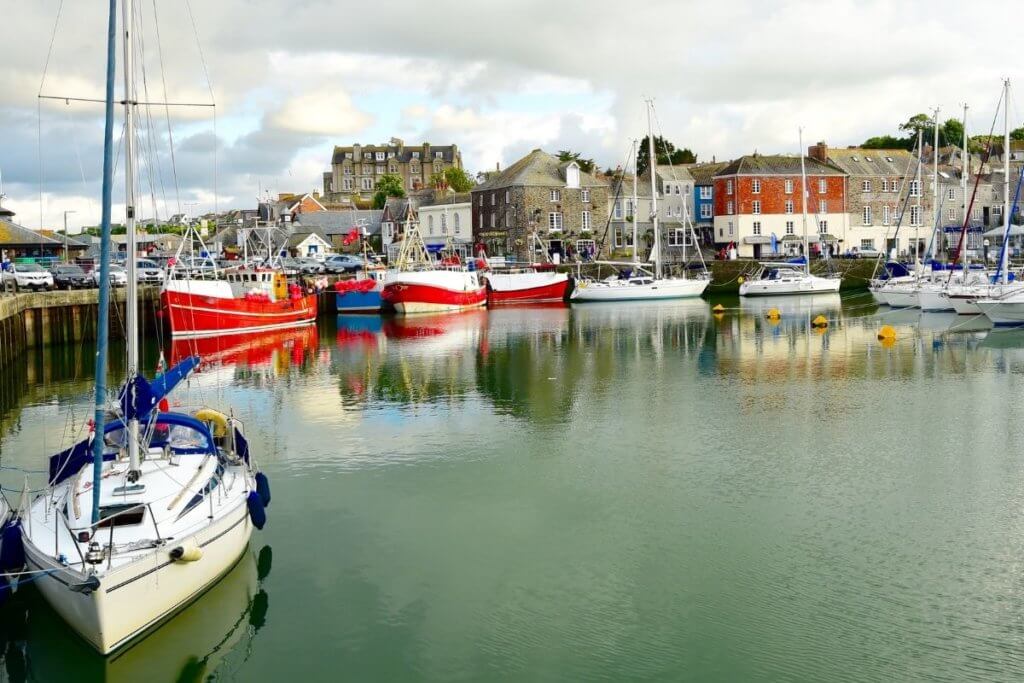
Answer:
(718, 308)
(773, 314)
(888, 342)
(887, 333)
(819, 322)
(740, 279)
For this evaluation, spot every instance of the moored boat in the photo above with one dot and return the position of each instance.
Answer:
(362, 295)
(526, 286)
(434, 291)
(779, 279)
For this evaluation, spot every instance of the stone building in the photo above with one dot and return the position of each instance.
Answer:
(355, 169)
(538, 198)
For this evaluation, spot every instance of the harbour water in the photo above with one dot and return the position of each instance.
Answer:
(596, 493)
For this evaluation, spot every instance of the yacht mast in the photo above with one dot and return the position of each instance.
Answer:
(636, 205)
(917, 223)
(935, 187)
(652, 167)
(131, 293)
(803, 201)
(103, 320)
(1005, 252)
(965, 170)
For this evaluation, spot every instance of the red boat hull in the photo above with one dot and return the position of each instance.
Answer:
(555, 291)
(195, 315)
(420, 298)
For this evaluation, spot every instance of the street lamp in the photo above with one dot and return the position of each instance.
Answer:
(66, 233)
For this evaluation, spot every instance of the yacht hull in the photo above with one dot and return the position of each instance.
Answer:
(193, 312)
(806, 285)
(137, 597)
(658, 289)
(1002, 313)
(934, 300)
(526, 288)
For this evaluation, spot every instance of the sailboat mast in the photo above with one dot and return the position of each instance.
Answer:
(965, 170)
(917, 223)
(1005, 252)
(132, 290)
(103, 319)
(652, 167)
(803, 201)
(636, 205)
(935, 186)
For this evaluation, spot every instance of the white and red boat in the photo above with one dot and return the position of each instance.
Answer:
(244, 301)
(528, 286)
(433, 291)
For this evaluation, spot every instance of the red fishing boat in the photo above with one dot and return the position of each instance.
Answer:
(526, 286)
(244, 301)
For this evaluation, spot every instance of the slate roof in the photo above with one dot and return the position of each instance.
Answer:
(704, 174)
(448, 199)
(447, 153)
(873, 162)
(73, 242)
(340, 222)
(13, 235)
(536, 169)
(776, 164)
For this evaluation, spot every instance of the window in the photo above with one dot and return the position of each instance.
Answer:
(757, 227)
(728, 188)
(728, 207)
(385, 230)
(629, 208)
(380, 156)
(730, 228)
(430, 225)
(367, 183)
(885, 184)
(494, 198)
(346, 183)
(822, 227)
(915, 215)
(367, 169)
(705, 192)
(822, 186)
(677, 238)
(789, 186)
(705, 211)
(507, 195)
(951, 195)
(885, 215)
(789, 227)
(865, 186)
(480, 222)
(618, 210)
(950, 214)
(667, 188)
(392, 168)
(380, 169)
(867, 215)
(867, 244)
(997, 210)
(455, 223)
(481, 202)
(348, 155)
(438, 155)
(915, 188)
(677, 189)
(415, 155)
(976, 213)
(585, 195)
(508, 218)
(585, 225)
(494, 220)
(391, 155)
(755, 207)
(414, 167)
(894, 185)
(348, 170)
(554, 220)
(556, 195)
(789, 206)
(444, 224)
(822, 206)
(755, 186)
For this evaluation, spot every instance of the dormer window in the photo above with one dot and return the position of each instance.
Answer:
(438, 155)
(572, 175)
(348, 155)
(889, 159)
(855, 158)
(415, 155)
(867, 158)
(380, 156)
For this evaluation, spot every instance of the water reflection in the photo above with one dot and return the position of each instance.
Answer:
(214, 634)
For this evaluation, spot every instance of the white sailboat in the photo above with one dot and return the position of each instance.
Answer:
(643, 284)
(776, 279)
(154, 507)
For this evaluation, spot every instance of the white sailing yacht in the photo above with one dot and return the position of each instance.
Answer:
(774, 278)
(644, 284)
(153, 507)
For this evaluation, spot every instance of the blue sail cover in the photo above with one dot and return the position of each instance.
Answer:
(896, 269)
(800, 260)
(139, 396)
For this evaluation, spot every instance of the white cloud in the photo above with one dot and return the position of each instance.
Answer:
(324, 112)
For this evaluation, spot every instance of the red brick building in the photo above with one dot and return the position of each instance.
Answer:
(757, 196)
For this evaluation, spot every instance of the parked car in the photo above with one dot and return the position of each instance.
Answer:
(118, 276)
(343, 263)
(148, 271)
(865, 252)
(70, 276)
(27, 276)
(198, 265)
(304, 266)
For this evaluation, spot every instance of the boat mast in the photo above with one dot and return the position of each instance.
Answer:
(1005, 255)
(131, 291)
(652, 166)
(103, 320)
(803, 201)
(965, 170)
(917, 223)
(935, 187)
(636, 205)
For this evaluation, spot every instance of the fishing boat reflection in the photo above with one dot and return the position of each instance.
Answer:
(190, 647)
(276, 351)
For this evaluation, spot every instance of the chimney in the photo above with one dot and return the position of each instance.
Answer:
(426, 151)
(497, 167)
(818, 152)
(356, 151)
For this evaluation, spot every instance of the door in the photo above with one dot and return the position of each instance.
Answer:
(757, 252)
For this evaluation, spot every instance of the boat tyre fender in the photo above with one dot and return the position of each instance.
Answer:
(257, 512)
(263, 488)
(12, 550)
(189, 551)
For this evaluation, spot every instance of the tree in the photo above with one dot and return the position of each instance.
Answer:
(884, 142)
(457, 179)
(951, 133)
(586, 165)
(1017, 133)
(666, 154)
(388, 185)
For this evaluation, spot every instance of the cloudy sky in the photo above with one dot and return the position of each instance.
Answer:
(291, 79)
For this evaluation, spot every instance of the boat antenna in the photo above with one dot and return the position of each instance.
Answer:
(103, 320)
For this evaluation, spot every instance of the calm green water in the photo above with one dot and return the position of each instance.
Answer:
(601, 493)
